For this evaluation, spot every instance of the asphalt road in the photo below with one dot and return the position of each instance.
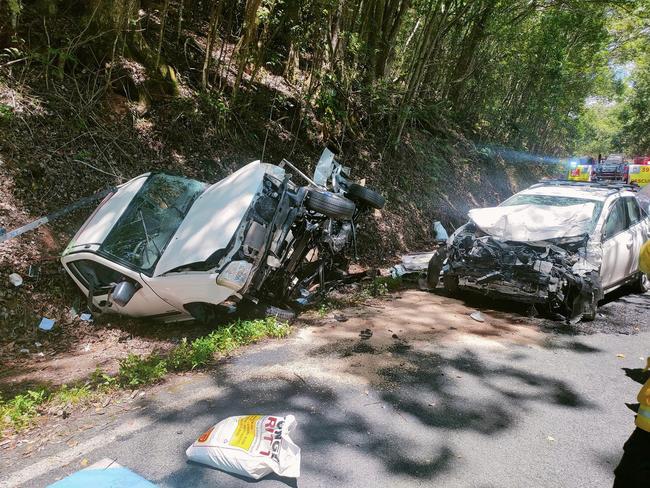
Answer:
(431, 399)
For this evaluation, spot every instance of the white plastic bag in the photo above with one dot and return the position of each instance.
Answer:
(249, 445)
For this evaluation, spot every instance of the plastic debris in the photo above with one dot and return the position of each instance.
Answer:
(620, 356)
(46, 324)
(15, 279)
(439, 232)
(33, 271)
(478, 316)
(86, 317)
(249, 445)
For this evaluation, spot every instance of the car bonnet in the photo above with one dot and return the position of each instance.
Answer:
(214, 217)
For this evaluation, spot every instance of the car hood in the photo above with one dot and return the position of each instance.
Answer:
(214, 217)
(529, 223)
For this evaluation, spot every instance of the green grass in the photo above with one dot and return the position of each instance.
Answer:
(135, 371)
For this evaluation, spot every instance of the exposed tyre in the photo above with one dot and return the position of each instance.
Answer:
(641, 284)
(330, 204)
(280, 313)
(365, 196)
(451, 283)
(589, 313)
(433, 271)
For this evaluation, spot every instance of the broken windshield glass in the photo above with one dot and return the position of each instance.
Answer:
(141, 234)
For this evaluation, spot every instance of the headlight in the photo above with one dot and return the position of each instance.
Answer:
(235, 274)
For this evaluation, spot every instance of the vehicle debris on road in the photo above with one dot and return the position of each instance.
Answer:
(172, 248)
(249, 445)
(478, 316)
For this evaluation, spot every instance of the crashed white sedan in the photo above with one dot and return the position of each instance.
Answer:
(560, 244)
(173, 248)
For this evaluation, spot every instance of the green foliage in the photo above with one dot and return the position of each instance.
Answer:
(383, 285)
(6, 114)
(71, 395)
(138, 370)
(102, 380)
(20, 411)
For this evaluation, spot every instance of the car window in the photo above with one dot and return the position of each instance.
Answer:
(616, 220)
(141, 234)
(633, 210)
(88, 271)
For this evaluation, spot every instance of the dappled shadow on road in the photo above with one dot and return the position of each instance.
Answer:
(406, 423)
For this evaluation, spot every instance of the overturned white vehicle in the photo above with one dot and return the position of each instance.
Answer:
(558, 244)
(172, 248)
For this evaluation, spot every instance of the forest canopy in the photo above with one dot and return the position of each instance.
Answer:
(546, 76)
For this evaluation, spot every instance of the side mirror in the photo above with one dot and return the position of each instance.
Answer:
(123, 292)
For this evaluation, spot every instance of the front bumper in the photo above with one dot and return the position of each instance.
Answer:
(509, 290)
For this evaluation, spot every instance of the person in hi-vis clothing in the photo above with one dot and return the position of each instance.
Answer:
(634, 469)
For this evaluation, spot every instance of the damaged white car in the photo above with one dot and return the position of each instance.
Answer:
(173, 248)
(558, 244)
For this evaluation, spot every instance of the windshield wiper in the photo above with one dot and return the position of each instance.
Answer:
(146, 234)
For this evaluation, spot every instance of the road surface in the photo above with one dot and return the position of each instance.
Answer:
(431, 398)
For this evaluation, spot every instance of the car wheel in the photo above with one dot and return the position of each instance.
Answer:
(365, 196)
(451, 283)
(641, 284)
(330, 204)
(433, 271)
(589, 313)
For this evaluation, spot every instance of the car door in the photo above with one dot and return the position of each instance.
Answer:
(104, 275)
(638, 230)
(617, 245)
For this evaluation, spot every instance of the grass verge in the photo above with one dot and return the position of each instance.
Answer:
(20, 412)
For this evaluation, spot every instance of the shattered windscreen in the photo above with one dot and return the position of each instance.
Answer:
(553, 201)
(141, 234)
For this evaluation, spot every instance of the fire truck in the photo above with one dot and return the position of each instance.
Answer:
(614, 168)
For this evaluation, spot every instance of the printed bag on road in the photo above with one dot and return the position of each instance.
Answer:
(249, 445)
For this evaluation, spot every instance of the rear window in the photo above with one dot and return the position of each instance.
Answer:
(554, 201)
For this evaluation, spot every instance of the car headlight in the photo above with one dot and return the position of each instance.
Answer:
(235, 274)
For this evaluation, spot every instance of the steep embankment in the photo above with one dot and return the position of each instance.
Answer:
(64, 141)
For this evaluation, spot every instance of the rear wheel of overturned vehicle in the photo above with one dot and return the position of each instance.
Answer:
(641, 284)
(365, 196)
(330, 204)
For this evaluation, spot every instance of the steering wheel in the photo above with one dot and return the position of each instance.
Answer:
(147, 253)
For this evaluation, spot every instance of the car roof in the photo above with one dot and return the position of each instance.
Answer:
(100, 223)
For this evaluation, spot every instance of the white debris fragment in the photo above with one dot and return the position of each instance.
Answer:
(478, 316)
(15, 279)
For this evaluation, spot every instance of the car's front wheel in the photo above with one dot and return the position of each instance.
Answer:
(641, 284)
